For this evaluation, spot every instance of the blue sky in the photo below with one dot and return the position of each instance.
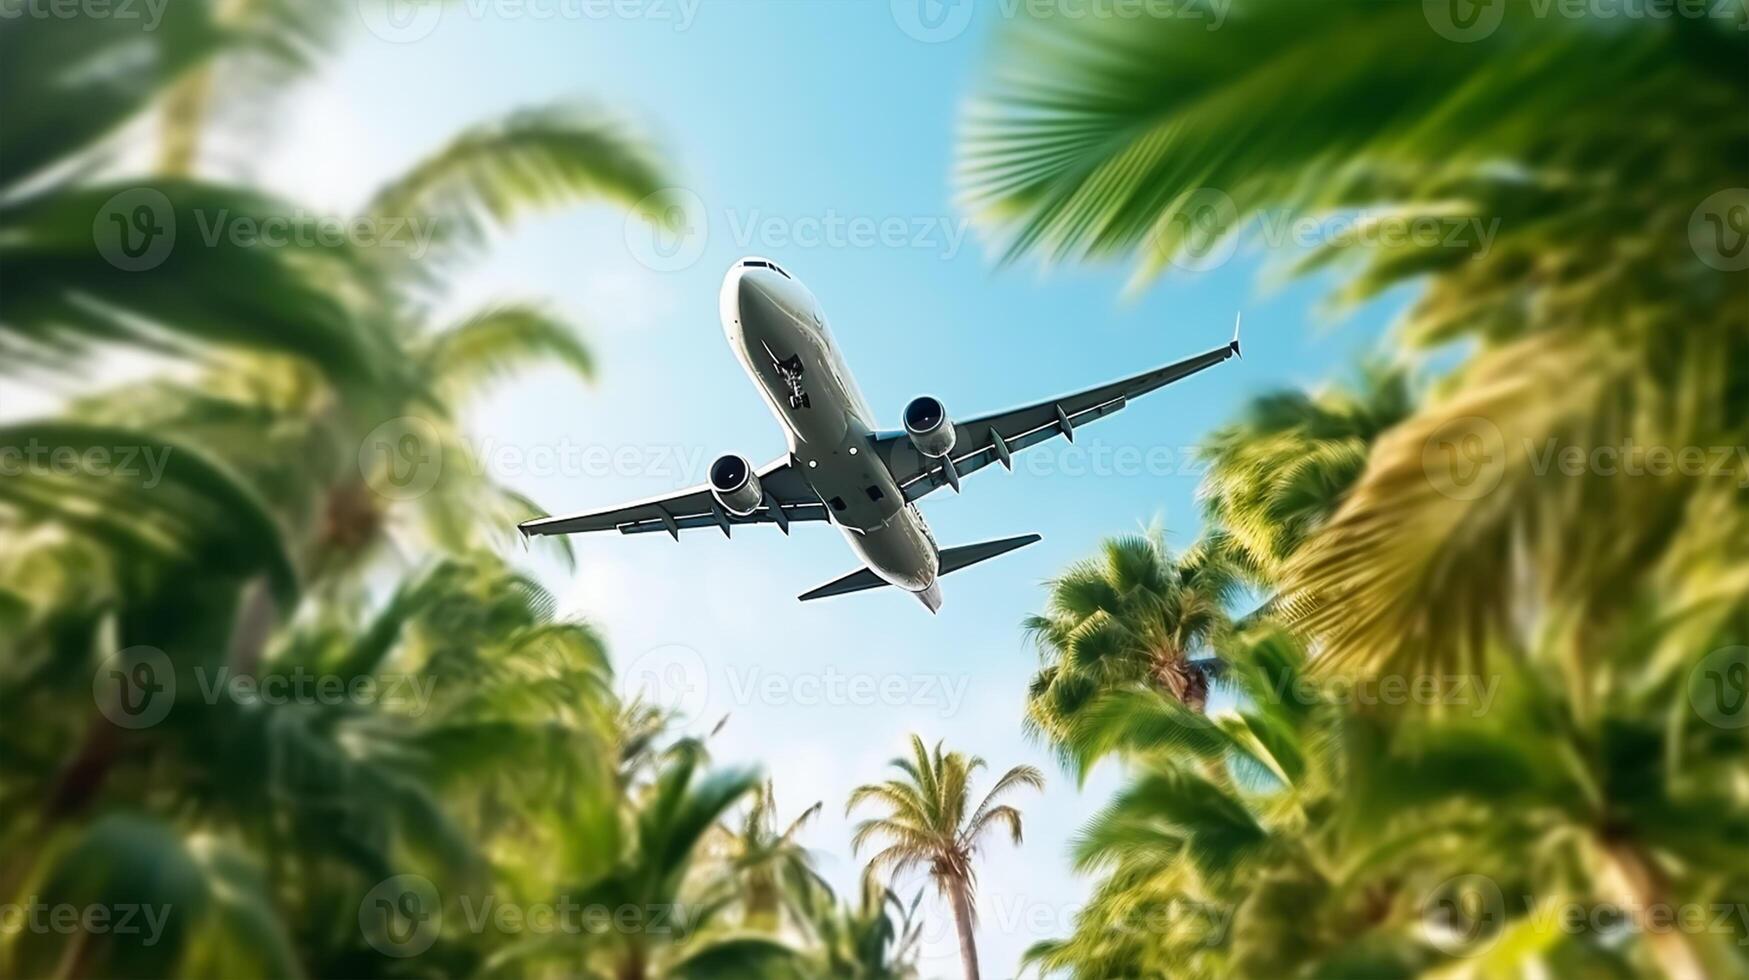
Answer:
(783, 114)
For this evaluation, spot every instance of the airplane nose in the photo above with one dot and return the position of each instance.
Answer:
(756, 292)
(755, 295)
(741, 294)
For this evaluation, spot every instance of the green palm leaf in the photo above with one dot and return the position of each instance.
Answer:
(1113, 136)
(198, 908)
(66, 291)
(102, 71)
(498, 341)
(531, 160)
(154, 504)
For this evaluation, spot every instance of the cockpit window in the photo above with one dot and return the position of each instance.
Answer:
(762, 264)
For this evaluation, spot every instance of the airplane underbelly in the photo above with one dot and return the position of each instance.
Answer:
(796, 379)
(899, 551)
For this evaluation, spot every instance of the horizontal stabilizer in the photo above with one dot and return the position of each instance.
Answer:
(856, 581)
(952, 560)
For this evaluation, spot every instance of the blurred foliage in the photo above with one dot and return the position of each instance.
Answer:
(304, 436)
(270, 689)
(1410, 532)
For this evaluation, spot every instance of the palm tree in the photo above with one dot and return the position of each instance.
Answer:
(1598, 315)
(1278, 473)
(276, 42)
(1334, 841)
(490, 710)
(63, 213)
(1616, 807)
(776, 873)
(875, 939)
(928, 825)
(254, 549)
(1215, 810)
(266, 434)
(1136, 615)
(352, 329)
(647, 855)
(306, 436)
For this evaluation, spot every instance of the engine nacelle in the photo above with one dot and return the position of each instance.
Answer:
(735, 485)
(927, 424)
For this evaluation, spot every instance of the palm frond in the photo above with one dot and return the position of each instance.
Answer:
(530, 160)
(71, 287)
(497, 341)
(162, 505)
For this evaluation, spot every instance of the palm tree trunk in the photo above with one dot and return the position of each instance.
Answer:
(962, 920)
(632, 966)
(1641, 886)
(188, 106)
(1173, 674)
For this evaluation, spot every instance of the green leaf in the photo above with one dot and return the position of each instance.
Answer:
(71, 80)
(161, 505)
(497, 341)
(72, 284)
(530, 160)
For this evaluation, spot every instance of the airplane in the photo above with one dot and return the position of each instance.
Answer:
(840, 468)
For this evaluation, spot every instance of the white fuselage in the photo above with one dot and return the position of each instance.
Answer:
(779, 334)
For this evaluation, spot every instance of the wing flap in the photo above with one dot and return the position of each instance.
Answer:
(686, 522)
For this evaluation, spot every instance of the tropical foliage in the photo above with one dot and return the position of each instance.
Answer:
(1424, 533)
(309, 750)
(1423, 698)
(1136, 615)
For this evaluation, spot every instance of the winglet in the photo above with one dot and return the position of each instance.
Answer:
(1234, 345)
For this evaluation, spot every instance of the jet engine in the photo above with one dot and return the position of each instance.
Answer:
(735, 485)
(927, 424)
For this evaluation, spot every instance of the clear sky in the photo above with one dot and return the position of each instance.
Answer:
(783, 117)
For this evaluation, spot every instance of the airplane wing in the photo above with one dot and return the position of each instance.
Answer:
(787, 498)
(995, 437)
